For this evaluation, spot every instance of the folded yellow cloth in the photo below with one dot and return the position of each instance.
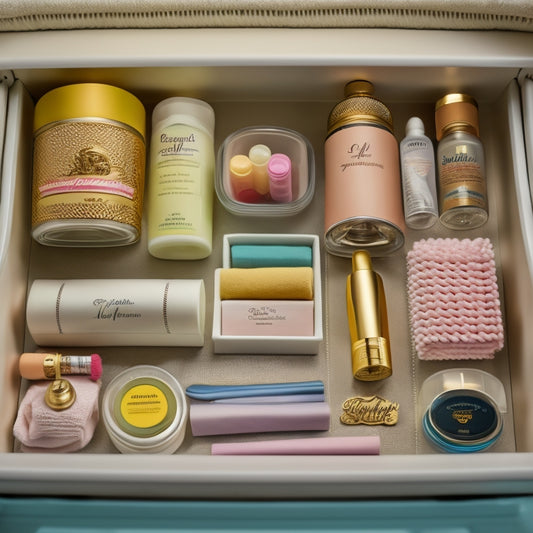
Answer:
(268, 283)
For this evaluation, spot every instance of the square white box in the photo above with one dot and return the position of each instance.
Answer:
(289, 345)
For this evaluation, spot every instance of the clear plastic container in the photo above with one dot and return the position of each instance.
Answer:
(255, 201)
(461, 409)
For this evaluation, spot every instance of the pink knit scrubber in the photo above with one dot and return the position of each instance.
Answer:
(454, 301)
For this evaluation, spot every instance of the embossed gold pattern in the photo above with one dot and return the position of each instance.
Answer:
(371, 411)
(99, 148)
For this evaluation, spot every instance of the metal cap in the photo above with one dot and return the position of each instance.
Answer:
(359, 106)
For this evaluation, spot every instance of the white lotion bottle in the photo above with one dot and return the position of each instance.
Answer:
(418, 177)
(180, 184)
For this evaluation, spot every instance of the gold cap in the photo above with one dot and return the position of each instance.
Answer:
(456, 111)
(90, 100)
(60, 395)
(359, 106)
(371, 359)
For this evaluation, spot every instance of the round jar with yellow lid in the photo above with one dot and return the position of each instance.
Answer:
(88, 166)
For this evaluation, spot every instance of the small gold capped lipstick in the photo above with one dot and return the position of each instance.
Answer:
(368, 322)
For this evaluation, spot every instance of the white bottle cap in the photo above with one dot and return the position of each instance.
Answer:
(259, 154)
(181, 109)
(414, 127)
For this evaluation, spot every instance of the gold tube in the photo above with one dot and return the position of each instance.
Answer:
(367, 319)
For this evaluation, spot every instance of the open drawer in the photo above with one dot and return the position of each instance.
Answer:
(287, 78)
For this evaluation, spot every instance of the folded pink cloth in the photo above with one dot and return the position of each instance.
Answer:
(41, 429)
(454, 301)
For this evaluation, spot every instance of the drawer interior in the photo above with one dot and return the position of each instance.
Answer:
(300, 99)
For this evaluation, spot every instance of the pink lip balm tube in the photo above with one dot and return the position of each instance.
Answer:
(364, 445)
(280, 176)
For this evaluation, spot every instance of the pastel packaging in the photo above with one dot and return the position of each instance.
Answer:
(113, 312)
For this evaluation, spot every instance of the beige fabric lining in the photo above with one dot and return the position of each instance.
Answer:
(32, 15)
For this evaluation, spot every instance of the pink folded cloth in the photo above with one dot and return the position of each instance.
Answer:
(41, 429)
(454, 302)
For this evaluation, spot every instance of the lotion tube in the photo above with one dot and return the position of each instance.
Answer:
(117, 312)
(367, 319)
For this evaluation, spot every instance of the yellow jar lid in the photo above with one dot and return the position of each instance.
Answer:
(96, 100)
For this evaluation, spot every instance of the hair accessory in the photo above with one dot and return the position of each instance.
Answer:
(454, 301)
(39, 428)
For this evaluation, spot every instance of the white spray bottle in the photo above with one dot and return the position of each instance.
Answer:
(418, 177)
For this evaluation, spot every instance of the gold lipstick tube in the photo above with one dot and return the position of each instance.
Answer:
(367, 319)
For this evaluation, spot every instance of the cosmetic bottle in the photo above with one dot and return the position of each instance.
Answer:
(367, 320)
(180, 185)
(259, 155)
(240, 171)
(280, 174)
(418, 177)
(460, 163)
(363, 192)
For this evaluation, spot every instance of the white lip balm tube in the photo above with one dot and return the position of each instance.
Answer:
(117, 312)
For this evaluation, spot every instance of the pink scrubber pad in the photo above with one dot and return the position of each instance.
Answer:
(454, 301)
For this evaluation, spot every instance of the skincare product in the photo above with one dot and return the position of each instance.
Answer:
(280, 178)
(48, 365)
(268, 317)
(114, 312)
(240, 171)
(367, 320)
(462, 409)
(454, 302)
(259, 155)
(180, 184)
(363, 194)
(461, 163)
(88, 166)
(145, 411)
(418, 177)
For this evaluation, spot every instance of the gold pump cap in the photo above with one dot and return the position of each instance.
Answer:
(359, 105)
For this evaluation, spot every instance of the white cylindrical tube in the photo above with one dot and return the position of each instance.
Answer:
(117, 312)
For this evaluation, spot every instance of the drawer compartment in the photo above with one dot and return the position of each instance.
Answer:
(297, 96)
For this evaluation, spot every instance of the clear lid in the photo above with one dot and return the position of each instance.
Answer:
(462, 379)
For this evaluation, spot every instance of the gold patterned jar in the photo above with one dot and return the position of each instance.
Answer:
(88, 166)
